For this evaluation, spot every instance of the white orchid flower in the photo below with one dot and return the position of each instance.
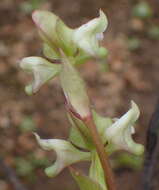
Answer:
(87, 36)
(66, 154)
(42, 71)
(119, 134)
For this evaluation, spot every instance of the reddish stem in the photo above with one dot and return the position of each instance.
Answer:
(108, 173)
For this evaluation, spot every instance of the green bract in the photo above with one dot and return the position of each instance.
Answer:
(84, 182)
(119, 133)
(80, 135)
(96, 171)
(66, 153)
(74, 89)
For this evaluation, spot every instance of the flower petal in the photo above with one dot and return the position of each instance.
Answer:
(119, 133)
(42, 71)
(87, 36)
(66, 153)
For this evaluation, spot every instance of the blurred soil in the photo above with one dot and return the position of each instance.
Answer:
(132, 75)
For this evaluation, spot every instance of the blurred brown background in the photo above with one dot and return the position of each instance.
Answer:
(133, 44)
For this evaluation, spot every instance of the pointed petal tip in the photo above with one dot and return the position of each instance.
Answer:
(135, 109)
(36, 136)
(103, 16)
(101, 13)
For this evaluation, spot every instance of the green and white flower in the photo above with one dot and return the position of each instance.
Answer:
(42, 71)
(66, 154)
(87, 36)
(119, 134)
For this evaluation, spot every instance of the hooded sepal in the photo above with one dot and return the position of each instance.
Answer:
(66, 154)
(54, 32)
(87, 36)
(42, 71)
(119, 134)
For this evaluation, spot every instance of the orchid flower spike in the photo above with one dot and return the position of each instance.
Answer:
(86, 37)
(66, 154)
(119, 133)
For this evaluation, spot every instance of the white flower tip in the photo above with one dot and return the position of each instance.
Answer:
(22, 63)
(45, 144)
(103, 17)
(37, 137)
(135, 109)
(102, 14)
